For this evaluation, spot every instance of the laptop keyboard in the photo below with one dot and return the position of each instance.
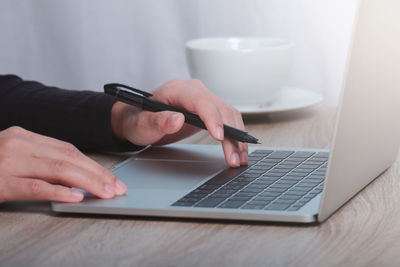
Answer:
(273, 180)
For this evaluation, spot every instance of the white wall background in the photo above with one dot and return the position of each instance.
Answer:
(82, 44)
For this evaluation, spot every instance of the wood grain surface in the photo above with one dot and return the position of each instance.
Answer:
(365, 232)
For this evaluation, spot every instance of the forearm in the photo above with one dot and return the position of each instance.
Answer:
(82, 118)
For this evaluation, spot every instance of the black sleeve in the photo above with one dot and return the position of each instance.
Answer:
(82, 118)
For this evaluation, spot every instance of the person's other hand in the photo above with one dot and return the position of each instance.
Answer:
(36, 167)
(146, 128)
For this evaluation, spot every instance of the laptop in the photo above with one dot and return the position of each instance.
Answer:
(281, 184)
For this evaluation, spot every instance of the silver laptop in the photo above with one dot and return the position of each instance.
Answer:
(281, 184)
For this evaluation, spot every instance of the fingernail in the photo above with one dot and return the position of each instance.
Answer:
(109, 189)
(235, 158)
(244, 158)
(173, 116)
(172, 119)
(76, 194)
(121, 187)
(219, 133)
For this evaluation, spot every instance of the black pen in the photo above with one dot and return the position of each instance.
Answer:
(142, 100)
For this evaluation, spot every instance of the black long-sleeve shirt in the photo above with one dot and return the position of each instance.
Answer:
(82, 118)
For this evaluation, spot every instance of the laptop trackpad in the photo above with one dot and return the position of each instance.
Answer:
(166, 174)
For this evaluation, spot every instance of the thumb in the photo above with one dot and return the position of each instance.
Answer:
(169, 122)
(153, 126)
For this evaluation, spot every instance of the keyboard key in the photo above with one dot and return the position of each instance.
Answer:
(322, 154)
(293, 178)
(310, 165)
(225, 190)
(262, 152)
(291, 160)
(264, 198)
(280, 154)
(244, 194)
(280, 170)
(196, 195)
(259, 202)
(273, 174)
(255, 158)
(314, 161)
(302, 170)
(293, 192)
(302, 154)
(284, 201)
(232, 204)
(296, 174)
(208, 187)
(288, 165)
(304, 189)
(312, 179)
(226, 175)
(302, 202)
(277, 207)
(280, 185)
(222, 195)
(269, 193)
(210, 202)
(291, 197)
(308, 197)
(253, 207)
(308, 183)
(240, 198)
(270, 161)
(256, 173)
(286, 182)
(250, 175)
(233, 187)
(316, 175)
(244, 179)
(262, 167)
(252, 190)
(276, 190)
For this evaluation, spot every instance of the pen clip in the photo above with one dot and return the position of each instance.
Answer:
(132, 90)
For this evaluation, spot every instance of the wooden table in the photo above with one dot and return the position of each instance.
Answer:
(364, 232)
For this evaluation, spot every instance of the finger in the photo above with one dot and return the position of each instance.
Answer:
(209, 114)
(243, 153)
(230, 116)
(95, 174)
(193, 100)
(233, 118)
(243, 147)
(34, 189)
(31, 151)
(63, 172)
(231, 149)
(41, 149)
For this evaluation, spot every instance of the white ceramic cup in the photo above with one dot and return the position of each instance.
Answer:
(243, 71)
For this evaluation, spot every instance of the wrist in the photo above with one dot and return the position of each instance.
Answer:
(119, 112)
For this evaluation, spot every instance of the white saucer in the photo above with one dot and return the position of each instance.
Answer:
(288, 99)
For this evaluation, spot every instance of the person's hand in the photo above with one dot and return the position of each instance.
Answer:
(146, 128)
(36, 167)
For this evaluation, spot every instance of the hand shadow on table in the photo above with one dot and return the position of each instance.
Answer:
(26, 206)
